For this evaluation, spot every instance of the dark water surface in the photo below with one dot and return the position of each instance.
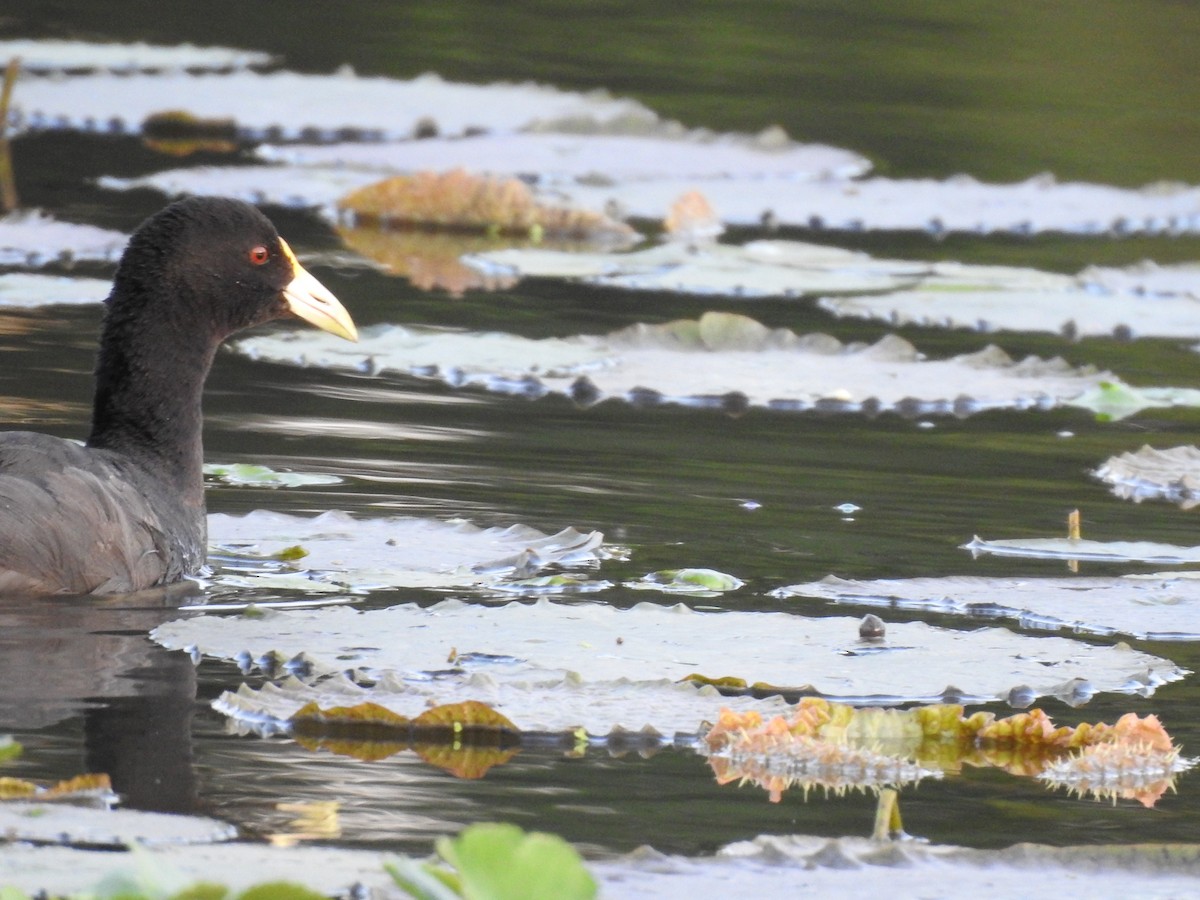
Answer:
(1103, 91)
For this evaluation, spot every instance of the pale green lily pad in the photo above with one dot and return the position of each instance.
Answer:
(768, 866)
(1161, 607)
(521, 645)
(956, 204)
(1140, 301)
(31, 239)
(721, 360)
(756, 269)
(347, 554)
(701, 582)
(1113, 400)
(1172, 474)
(251, 475)
(810, 866)
(26, 290)
(45, 57)
(321, 104)
(1085, 550)
(51, 823)
(563, 158)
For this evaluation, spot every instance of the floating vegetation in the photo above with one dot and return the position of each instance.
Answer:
(457, 200)
(1150, 474)
(838, 747)
(50, 57)
(697, 582)
(28, 290)
(286, 106)
(178, 133)
(91, 788)
(33, 239)
(341, 553)
(522, 658)
(253, 475)
(745, 364)
(499, 862)
(554, 159)
(1083, 550)
(1148, 607)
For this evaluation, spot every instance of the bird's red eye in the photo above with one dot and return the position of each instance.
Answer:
(259, 255)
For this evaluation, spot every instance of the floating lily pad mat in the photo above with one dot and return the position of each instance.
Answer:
(1074, 307)
(53, 823)
(338, 552)
(519, 644)
(289, 105)
(1172, 474)
(26, 289)
(755, 269)
(768, 866)
(957, 204)
(31, 238)
(1085, 550)
(558, 157)
(722, 359)
(1154, 607)
(75, 56)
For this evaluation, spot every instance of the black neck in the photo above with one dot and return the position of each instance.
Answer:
(148, 401)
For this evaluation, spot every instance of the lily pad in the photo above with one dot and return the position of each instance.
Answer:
(771, 865)
(1172, 474)
(251, 475)
(1140, 301)
(288, 106)
(744, 363)
(343, 553)
(518, 644)
(957, 204)
(58, 57)
(26, 289)
(756, 269)
(1085, 550)
(561, 159)
(33, 239)
(50, 823)
(1148, 607)
(701, 582)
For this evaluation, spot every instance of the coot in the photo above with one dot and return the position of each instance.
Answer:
(126, 510)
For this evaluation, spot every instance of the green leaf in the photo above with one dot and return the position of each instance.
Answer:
(9, 749)
(202, 890)
(499, 861)
(280, 890)
(421, 880)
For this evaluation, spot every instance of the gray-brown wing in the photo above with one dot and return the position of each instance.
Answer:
(70, 523)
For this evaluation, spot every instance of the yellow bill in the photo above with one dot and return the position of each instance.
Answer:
(314, 303)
